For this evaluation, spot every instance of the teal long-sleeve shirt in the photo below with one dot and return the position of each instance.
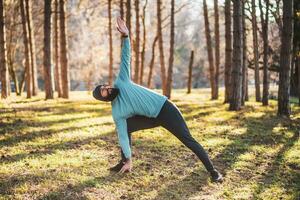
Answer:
(132, 99)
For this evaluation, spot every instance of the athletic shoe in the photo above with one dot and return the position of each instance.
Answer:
(117, 167)
(216, 176)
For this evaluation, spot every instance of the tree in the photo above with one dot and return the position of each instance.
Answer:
(285, 59)
(244, 61)
(64, 51)
(31, 41)
(122, 17)
(171, 54)
(151, 65)
(228, 50)
(47, 51)
(128, 15)
(137, 41)
(235, 103)
(3, 64)
(264, 24)
(161, 47)
(56, 50)
(217, 47)
(214, 94)
(110, 67)
(255, 52)
(28, 68)
(144, 44)
(189, 84)
(12, 39)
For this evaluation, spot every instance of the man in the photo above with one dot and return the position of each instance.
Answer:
(135, 107)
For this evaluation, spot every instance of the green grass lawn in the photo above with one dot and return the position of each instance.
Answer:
(61, 149)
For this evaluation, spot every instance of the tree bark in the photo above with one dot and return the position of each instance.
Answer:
(122, 17)
(128, 15)
(244, 61)
(110, 68)
(137, 41)
(65, 77)
(235, 103)
(228, 50)
(27, 51)
(3, 64)
(190, 73)
(143, 45)
(264, 22)
(171, 54)
(217, 47)
(161, 47)
(58, 76)
(214, 94)
(255, 52)
(151, 65)
(31, 47)
(48, 72)
(285, 59)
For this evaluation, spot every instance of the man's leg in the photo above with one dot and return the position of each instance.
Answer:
(171, 119)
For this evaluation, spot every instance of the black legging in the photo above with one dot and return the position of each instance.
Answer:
(171, 119)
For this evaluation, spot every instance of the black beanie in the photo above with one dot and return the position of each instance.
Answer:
(111, 96)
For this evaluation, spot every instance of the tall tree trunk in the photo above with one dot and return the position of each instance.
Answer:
(217, 49)
(235, 103)
(110, 68)
(11, 52)
(22, 82)
(137, 41)
(171, 54)
(151, 65)
(48, 72)
(161, 47)
(190, 73)
(56, 49)
(3, 64)
(65, 77)
(27, 51)
(285, 59)
(143, 45)
(264, 22)
(122, 17)
(255, 52)
(128, 15)
(214, 94)
(244, 64)
(228, 50)
(31, 47)
(122, 10)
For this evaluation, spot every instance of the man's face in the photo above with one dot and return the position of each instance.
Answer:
(105, 90)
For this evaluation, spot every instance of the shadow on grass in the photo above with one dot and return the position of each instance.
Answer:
(278, 171)
(258, 132)
(50, 148)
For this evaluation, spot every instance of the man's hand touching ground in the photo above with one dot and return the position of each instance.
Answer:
(126, 167)
(121, 26)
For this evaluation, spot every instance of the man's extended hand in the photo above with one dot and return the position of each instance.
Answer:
(126, 167)
(121, 26)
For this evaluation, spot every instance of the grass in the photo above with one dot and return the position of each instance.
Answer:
(61, 149)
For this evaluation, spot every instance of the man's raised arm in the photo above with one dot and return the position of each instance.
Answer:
(124, 72)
